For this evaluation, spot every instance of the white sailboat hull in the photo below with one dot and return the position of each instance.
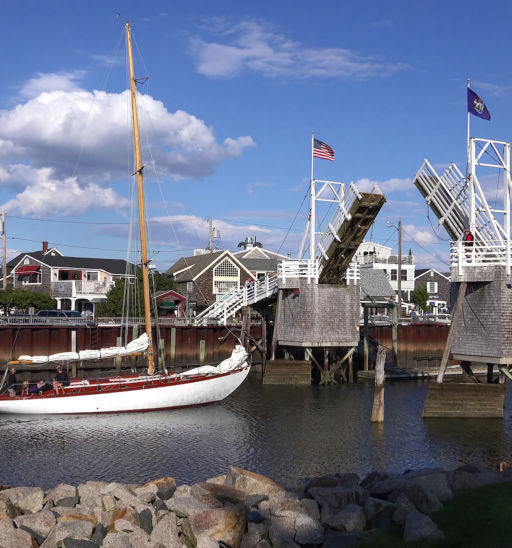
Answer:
(182, 393)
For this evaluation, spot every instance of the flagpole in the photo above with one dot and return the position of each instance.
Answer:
(312, 221)
(469, 134)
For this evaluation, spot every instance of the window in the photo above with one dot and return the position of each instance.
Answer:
(394, 275)
(226, 276)
(432, 287)
(30, 279)
(403, 275)
(92, 276)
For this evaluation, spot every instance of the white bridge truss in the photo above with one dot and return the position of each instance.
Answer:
(459, 202)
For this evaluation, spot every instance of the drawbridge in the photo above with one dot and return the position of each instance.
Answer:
(347, 216)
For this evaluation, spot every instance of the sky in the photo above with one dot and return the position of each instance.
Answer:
(233, 93)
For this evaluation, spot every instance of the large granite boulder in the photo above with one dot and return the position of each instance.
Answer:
(418, 527)
(25, 499)
(251, 483)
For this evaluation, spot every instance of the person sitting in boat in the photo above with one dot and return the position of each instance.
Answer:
(34, 389)
(43, 386)
(62, 377)
(24, 388)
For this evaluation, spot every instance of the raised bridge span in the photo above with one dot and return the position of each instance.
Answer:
(333, 248)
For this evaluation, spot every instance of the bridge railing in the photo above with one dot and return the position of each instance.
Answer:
(464, 255)
(341, 214)
(290, 269)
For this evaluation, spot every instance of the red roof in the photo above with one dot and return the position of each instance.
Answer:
(28, 269)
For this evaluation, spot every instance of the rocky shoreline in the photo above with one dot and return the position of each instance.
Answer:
(240, 509)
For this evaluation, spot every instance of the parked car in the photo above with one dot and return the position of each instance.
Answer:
(59, 314)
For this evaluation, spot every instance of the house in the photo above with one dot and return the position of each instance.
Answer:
(379, 257)
(171, 303)
(438, 287)
(259, 261)
(207, 277)
(76, 283)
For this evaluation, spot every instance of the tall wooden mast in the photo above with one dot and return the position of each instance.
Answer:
(140, 191)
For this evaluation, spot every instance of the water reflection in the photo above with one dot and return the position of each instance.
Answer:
(285, 432)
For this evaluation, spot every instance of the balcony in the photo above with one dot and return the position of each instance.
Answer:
(75, 288)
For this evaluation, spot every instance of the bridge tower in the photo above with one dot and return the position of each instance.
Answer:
(480, 272)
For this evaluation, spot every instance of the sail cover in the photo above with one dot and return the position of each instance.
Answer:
(134, 347)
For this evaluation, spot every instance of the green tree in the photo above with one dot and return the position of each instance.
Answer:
(23, 299)
(419, 297)
(123, 295)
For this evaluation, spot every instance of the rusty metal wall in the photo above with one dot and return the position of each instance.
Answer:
(418, 345)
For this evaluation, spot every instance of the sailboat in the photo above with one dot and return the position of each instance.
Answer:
(129, 393)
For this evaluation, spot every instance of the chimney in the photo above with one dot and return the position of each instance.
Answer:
(45, 247)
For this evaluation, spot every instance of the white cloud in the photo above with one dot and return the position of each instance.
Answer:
(43, 194)
(60, 128)
(249, 45)
(64, 81)
(390, 185)
(253, 186)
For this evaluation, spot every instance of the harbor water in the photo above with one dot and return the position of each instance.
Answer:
(286, 432)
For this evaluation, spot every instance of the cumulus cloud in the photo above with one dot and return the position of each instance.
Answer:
(43, 194)
(65, 137)
(249, 45)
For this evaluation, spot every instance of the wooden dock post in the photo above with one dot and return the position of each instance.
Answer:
(394, 334)
(451, 333)
(365, 339)
(173, 345)
(73, 349)
(202, 350)
(378, 397)
(275, 334)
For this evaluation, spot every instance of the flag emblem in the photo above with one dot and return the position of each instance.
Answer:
(476, 106)
(322, 150)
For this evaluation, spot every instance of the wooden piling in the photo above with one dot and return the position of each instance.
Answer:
(73, 349)
(173, 345)
(275, 334)
(202, 350)
(365, 339)
(394, 333)
(378, 397)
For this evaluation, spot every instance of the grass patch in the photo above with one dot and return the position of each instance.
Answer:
(478, 518)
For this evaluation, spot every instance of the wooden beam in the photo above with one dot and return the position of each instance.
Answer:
(451, 333)
(275, 334)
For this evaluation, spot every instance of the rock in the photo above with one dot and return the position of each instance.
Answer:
(378, 512)
(117, 540)
(68, 501)
(332, 480)
(425, 501)
(279, 538)
(219, 480)
(160, 505)
(41, 523)
(336, 498)
(373, 478)
(25, 499)
(462, 478)
(256, 536)
(222, 493)
(204, 541)
(80, 530)
(75, 543)
(99, 534)
(254, 500)
(187, 505)
(123, 512)
(251, 483)
(146, 494)
(182, 490)
(166, 493)
(7, 509)
(403, 506)
(75, 515)
(146, 521)
(418, 526)
(10, 537)
(62, 491)
(161, 483)
(124, 526)
(311, 508)
(226, 525)
(255, 517)
(88, 495)
(351, 519)
(165, 532)
(435, 481)
(308, 530)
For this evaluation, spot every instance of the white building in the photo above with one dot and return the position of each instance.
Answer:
(379, 257)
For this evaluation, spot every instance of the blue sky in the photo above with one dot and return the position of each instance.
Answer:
(234, 91)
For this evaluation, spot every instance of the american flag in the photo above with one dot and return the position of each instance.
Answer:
(322, 150)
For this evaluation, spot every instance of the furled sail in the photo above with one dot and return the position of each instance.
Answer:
(134, 347)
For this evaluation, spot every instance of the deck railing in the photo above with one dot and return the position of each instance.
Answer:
(464, 255)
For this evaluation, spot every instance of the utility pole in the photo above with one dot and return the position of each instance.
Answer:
(210, 225)
(399, 268)
(4, 253)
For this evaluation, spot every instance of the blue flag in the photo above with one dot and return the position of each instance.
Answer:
(476, 106)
